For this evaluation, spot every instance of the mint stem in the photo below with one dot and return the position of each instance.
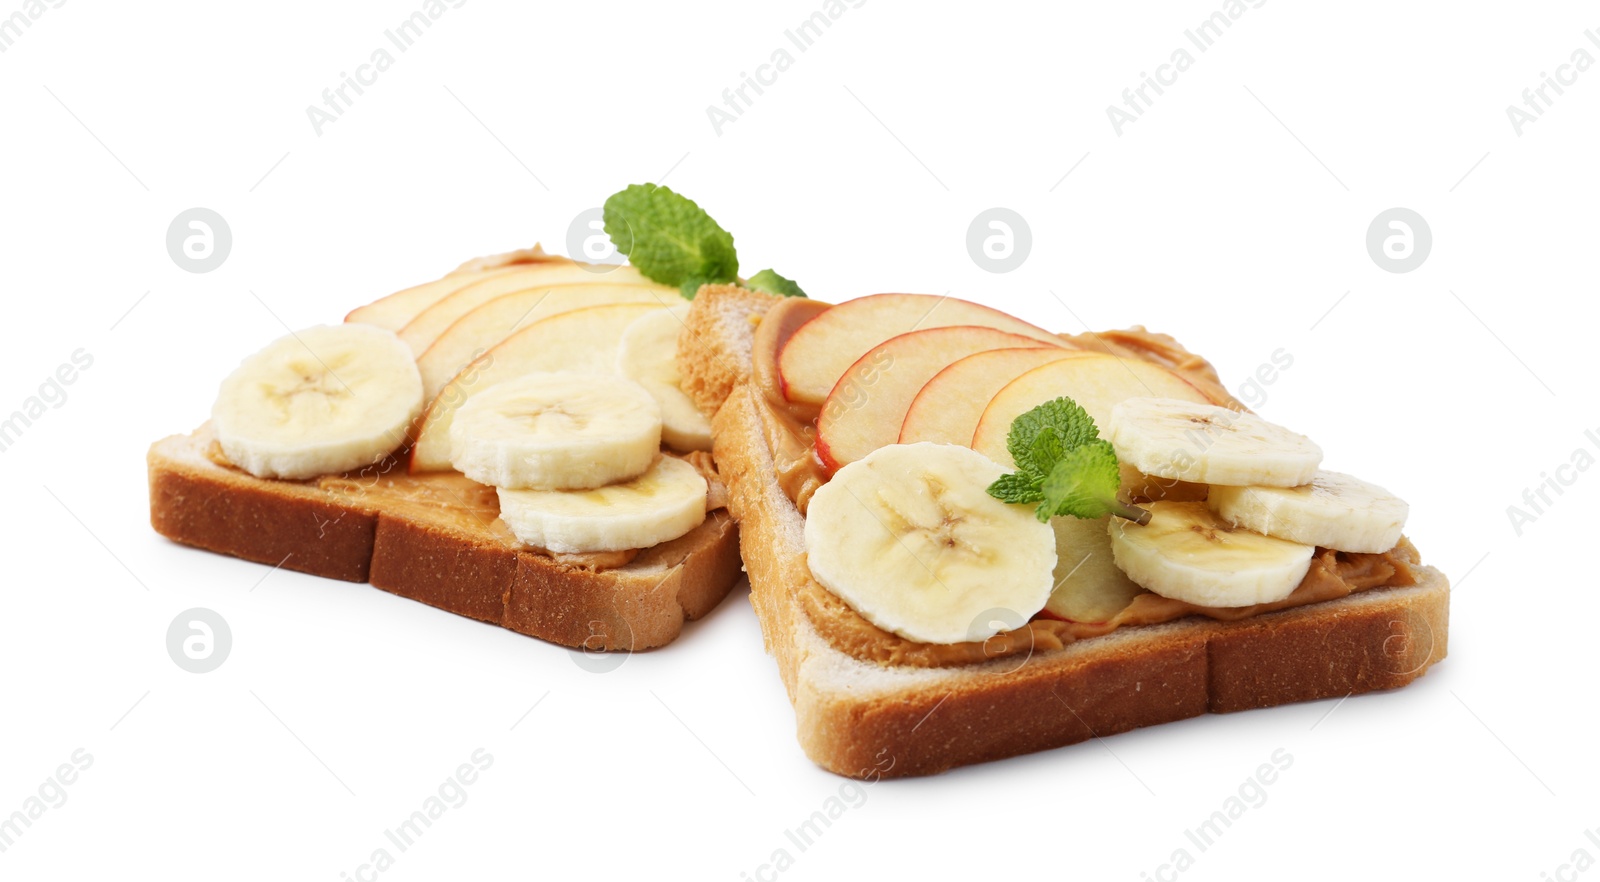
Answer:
(1140, 516)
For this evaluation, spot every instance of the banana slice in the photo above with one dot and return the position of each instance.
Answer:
(1205, 444)
(557, 431)
(1334, 511)
(662, 504)
(649, 356)
(910, 538)
(321, 401)
(1187, 553)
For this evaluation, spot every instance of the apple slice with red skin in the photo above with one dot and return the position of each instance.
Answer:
(819, 353)
(497, 319)
(1097, 382)
(1089, 586)
(581, 340)
(394, 311)
(776, 326)
(947, 408)
(430, 323)
(866, 407)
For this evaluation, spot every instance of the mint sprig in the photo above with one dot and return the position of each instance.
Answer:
(675, 242)
(772, 283)
(668, 237)
(1084, 483)
(1063, 465)
(690, 286)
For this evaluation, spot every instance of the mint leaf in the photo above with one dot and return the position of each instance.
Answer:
(1063, 465)
(691, 286)
(772, 283)
(1082, 484)
(1072, 426)
(1043, 454)
(668, 237)
(1017, 488)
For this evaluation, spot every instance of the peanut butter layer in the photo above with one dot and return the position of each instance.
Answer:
(1333, 574)
(1162, 349)
(472, 507)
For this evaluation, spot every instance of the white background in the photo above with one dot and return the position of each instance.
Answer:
(1233, 215)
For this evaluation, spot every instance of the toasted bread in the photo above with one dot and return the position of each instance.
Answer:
(437, 539)
(867, 719)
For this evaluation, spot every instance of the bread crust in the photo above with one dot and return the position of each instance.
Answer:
(714, 345)
(452, 554)
(868, 720)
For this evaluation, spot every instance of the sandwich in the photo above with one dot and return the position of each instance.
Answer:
(508, 442)
(969, 538)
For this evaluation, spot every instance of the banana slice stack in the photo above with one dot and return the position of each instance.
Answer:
(557, 431)
(576, 457)
(1268, 508)
(576, 460)
(909, 537)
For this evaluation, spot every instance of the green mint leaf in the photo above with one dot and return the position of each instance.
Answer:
(772, 283)
(668, 237)
(1082, 484)
(1017, 488)
(1043, 454)
(691, 286)
(1063, 465)
(1070, 424)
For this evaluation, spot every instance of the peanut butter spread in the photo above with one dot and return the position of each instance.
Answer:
(1162, 349)
(454, 500)
(791, 435)
(1333, 574)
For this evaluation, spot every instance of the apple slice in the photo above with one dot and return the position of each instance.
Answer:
(391, 313)
(491, 322)
(775, 328)
(536, 254)
(394, 311)
(947, 408)
(1096, 381)
(1089, 586)
(866, 407)
(824, 348)
(581, 340)
(429, 324)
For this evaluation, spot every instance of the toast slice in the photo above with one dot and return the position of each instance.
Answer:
(868, 719)
(437, 539)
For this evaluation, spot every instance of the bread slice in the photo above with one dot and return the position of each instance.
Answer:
(437, 539)
(865, 719)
